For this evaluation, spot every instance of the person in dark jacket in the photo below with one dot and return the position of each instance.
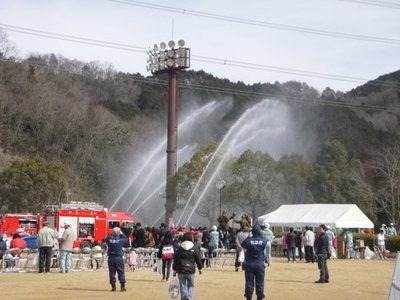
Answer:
(3, 246)
(254, 265)
(322, 254)
(166, 253)
(299, 246)
(116, 241)
(139, 236)
(291, 241)
(186, 258)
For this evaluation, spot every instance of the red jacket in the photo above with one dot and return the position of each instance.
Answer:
(17, 243)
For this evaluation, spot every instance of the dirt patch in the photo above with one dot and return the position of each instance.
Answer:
(350, 279)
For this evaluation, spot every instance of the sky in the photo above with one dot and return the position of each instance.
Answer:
(287, 52)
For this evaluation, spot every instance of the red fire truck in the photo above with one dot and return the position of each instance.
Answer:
(90, 221)
(24, 224)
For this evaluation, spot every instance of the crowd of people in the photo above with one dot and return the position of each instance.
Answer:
(181, 250)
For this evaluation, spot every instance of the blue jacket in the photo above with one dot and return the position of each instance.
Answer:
(255, 246)
(116, 244)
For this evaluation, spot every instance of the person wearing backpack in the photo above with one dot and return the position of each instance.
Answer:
(186, 258)
(166, 253)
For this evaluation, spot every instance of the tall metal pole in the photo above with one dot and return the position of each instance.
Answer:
(220, 201)
(172, 127)
(171, 137)
(171, 61)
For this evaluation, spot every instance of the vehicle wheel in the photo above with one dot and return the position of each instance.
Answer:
(86, 244)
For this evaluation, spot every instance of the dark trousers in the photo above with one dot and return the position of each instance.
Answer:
(44, 259)
(323, 268)
(166, 266)
(116, 265)
(291, 250)
(309, 253)
(254, 272)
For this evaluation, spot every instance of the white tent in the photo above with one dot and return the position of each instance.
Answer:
(300, 215)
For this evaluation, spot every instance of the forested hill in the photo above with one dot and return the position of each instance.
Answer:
(76, 123)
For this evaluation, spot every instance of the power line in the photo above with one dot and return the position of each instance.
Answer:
(233, 63)
(72, 38)
(239, 92)
(259, 23)
(375, 3)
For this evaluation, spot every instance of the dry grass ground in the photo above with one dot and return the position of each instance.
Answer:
(350, 279)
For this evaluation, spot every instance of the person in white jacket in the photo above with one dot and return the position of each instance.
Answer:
(66, 245)
(309, 239)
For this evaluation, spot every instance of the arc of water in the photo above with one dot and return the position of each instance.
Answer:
(144, 184)
(148, 177)
(156, 190)
(158, 219)
(205, 171)
(159, 148)
(229, 133)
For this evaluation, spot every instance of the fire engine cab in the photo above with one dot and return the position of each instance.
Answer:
(91, 221)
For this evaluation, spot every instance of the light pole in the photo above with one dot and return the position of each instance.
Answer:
(220, 185)
(171, 60)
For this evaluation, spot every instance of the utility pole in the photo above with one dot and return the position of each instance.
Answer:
(170, 60)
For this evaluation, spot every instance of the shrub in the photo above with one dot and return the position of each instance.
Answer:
(392, 242)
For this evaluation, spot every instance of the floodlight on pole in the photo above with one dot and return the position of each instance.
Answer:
(171, 61)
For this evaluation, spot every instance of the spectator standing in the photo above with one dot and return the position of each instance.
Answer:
(391, 231)
(66, 244)
(127, 231)
(291, 242)
(186, 258)
(383, 227)
(3, 246)
(284, 245)
(139, 237)
(166, 253)
(240, 237)
(254, 263)
(299, 244)
(348, 239)
(269, 236)
(331, 237)
(116, 241)
(46, 240)
(322, 253)
(213, 242)
(309, 239)
(132, 260)
(381, 243)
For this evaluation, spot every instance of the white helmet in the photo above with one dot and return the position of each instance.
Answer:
(214, 228)
(266, 224)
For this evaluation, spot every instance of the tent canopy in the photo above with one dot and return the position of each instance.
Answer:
(336, 215)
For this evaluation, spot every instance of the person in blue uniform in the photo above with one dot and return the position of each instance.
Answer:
(116, 241)
(254, 266)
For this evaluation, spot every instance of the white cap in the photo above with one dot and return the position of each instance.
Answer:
(266, 224)
(67, 223)
(214, 228)
(116, 230)
(391, 224)
(383, 224)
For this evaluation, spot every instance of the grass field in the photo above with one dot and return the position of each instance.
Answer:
(349, 279)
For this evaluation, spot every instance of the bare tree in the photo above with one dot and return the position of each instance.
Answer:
(7, 48)
(387, 193)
